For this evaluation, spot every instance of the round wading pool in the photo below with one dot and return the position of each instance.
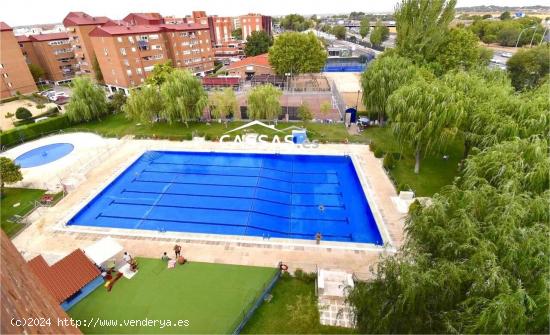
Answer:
(44, 154)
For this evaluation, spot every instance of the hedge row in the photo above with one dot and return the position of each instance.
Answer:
(32, 131)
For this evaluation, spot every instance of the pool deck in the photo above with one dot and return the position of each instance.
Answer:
(47, 234)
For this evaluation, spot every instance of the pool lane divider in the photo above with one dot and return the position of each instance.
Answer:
(243, 166)
(341, 205)
(348, 236)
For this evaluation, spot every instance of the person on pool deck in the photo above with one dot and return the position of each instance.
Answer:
(165, 257)
(130, 260)
(318, 237)
(177, 250)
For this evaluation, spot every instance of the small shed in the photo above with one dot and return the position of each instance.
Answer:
(70, 279)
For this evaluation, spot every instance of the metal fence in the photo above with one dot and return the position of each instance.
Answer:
(337, 99)
(249, 310)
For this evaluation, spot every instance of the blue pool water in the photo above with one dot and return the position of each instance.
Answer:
(266, 195)
(44, 154)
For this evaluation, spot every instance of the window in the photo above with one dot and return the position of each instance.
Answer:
(141, 79)
(138, 71)
(129, 72)
(5, 75)
(126, 62)
(156, 47)
(123, 51)
(148, 68)
(10, 85)
(131, 39)
(154, 37)
(113, 71)
(1, 66)
(59, 42)
(143, 38)
(106, 51)
(133, 49)
(119, 39)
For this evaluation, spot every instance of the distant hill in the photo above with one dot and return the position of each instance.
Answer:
(493, 8)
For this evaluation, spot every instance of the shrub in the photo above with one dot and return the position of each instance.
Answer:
(372, 146)
(304, 276)
(188, 137)
(389, 161)
(23, 122)
(208, 137)
(378, 153)
(22, 113)
(33, 131)
(40, 106)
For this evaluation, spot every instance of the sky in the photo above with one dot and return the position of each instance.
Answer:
(26, 12)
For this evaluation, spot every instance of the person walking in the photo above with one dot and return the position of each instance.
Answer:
(177, 250)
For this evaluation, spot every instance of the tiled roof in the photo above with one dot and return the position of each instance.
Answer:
(260, 60)
(4, 26)
(49, 37)
(83, 19)
(112, 29)
(67, 276)
(22, 38)
(184, 26)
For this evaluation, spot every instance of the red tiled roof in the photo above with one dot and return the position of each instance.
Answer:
(4, 26)
(49, 37)
(144, 18)
(184, 26)
(113, 30)
(83, 19)
(260, 60)
(23, 38)
(67, 276)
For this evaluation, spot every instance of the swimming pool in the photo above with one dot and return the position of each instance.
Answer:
(265, 195)
(44, 154)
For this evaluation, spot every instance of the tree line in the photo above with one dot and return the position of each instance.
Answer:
(476, 256)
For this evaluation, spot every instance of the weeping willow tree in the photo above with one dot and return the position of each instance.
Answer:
(424, 117)
(87, 102)
(143, 105)
(422, 28)
(183, 97)
(382, 77)
(487, 98)
(476, 259)
(223, 103)
(263, 102)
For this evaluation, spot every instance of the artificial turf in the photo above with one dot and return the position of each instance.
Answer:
(212, 297)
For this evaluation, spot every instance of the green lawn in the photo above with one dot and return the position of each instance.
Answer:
(292, 310)
(435, 172)
(213, 297)
(25, 197)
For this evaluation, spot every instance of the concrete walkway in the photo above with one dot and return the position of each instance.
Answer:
(48, 235)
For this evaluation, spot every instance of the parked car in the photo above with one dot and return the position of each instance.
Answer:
(46, 92)
(56, 96)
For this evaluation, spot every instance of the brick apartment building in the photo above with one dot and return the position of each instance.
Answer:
(79, 25)
(15, 75)
(127, 53)
(52, 52)
(220, 29)
(255, 22)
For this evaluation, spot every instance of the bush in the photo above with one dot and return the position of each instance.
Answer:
(304, 276)
(40, 106)
(22, 113)
(389, 161)
(378, 153)
(32, 131)
(372, 146)
(10, 99)
(188, 137)
(23, 122)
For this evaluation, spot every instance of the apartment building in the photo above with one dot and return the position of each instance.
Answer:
(14, 71)
(255, 22)
(127, 53)
(78, 26)
(221, 28)
(52, 52)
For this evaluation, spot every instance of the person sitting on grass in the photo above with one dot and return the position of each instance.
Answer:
(130, 260)
(165, 257)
